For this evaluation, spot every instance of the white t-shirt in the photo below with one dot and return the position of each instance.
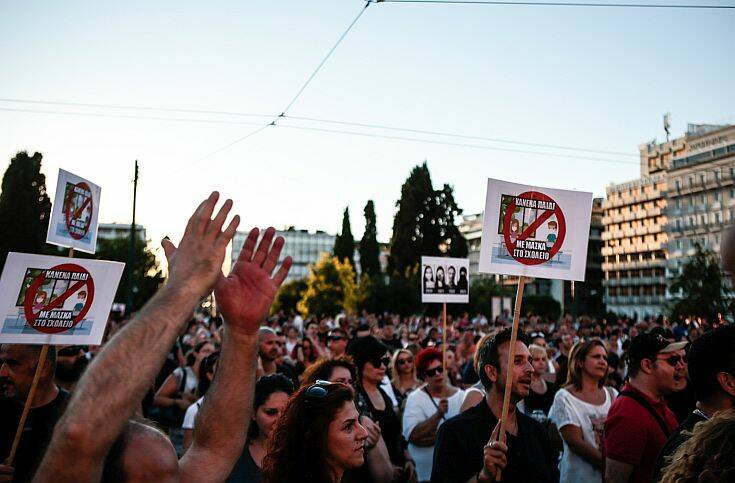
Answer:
(568, 409)
(419, 408)
(191, 414)
(190, 386)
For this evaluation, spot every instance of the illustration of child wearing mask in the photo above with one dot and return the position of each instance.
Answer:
(551, 237)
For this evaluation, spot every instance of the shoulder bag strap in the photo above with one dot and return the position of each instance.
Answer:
(432, 400)
(647, 406)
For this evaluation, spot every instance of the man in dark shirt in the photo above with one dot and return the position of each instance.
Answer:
(17, 367)
(712, 375)
(466, 445)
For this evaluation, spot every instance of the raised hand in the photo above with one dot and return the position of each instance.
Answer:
(196, 265)
(246, 294)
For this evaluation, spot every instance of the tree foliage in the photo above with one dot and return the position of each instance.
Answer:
(544, 306)
(425, 223)
(482, 292)
(25, 207)
(330, 288)
(369, 248)
(703, 288)
(147, 275)
(289, 295)
(344, 244)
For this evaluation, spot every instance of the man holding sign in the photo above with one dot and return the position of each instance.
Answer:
(467, 445)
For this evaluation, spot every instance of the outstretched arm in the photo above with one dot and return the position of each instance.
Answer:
(112, 387)
(245, 298)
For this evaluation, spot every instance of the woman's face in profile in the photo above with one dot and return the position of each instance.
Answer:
(346, 439)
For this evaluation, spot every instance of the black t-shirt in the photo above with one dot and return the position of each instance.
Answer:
(390, 425)
(676, 439)
(458, 453)
(36, 436)
(543, 401)
(245, 470)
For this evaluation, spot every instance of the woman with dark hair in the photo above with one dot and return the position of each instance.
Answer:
(304, 354)
(371, 359)
(271, 397)
(579, 411)
(317, 438)
(207, 369)
(428, 279)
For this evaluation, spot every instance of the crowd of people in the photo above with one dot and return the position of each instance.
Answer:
(242, 395)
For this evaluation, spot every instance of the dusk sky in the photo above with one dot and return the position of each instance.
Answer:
(584, 78)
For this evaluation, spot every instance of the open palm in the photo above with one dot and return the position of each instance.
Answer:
(246, 294)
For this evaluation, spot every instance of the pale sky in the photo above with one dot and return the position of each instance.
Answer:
(588, 78)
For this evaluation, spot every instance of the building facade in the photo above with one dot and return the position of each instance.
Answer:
(634, 248)
(304, 248)
(113, 231)
(701, 193)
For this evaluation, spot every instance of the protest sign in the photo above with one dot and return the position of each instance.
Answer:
(535, 232)
(74, 213)
(55, 300)
(445, 280)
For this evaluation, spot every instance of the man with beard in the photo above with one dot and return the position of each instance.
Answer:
(467, 446)
(269, 351)
(17, 367)
(70, 364)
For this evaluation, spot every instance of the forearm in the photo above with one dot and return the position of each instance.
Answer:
(378, 461)
(424, 433)
(113, 385)
(222, 422)
(587, 452)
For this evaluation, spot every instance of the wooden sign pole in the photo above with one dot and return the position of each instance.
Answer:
(31, 394)
(444, 336)
(509, 367)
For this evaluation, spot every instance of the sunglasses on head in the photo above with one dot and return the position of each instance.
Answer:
(380, 361)
(336, 337)
(433, 372)
(318, 390)
(673, 361)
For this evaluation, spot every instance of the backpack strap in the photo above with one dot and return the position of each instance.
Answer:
(647, 406)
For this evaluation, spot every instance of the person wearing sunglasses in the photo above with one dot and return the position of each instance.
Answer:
(639, 421)
(404, 378)
(337, 342)
(427, 408)
(371, 359)
(317, 438)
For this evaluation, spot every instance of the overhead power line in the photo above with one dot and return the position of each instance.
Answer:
(460, 136)
(563, 4)
(465, 145)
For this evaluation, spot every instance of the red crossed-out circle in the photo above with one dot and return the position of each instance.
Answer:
(510, 245)
(59, 301)
(70, 215)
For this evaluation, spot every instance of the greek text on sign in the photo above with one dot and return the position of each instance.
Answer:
(74, 213)
(54, 300)
(535, 232)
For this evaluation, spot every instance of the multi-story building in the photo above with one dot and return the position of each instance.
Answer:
(634, 237)
(112, 231)
(701, 193)
(304, 248)
(587, 297)
(471, 228)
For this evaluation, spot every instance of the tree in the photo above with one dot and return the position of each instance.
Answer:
(482, 292)
(545, 306)
(424, 224)
(24, 206)
(330, 288)
(369, 248)
(147, 275)
(703, 288)
(344, 244)
(289, 295)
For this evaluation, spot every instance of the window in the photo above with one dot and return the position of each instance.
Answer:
(717, 218)
(678, 185)
(678, 202)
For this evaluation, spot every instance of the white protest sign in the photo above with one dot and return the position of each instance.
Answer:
(74, 213)
(445, 280)
(55, 300)
(535, 232)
